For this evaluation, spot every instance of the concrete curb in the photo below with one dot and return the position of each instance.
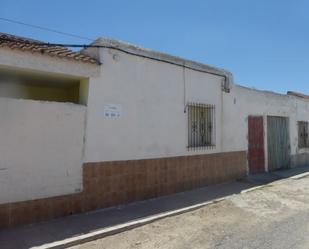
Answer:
(122, 227)
(253, 189)
(296, 177)
(144, 221)
(299, 176)
(270, 184)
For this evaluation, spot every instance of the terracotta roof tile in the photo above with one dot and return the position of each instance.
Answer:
(34, 46)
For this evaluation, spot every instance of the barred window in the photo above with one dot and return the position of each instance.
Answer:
(201, 125)
(303, 134)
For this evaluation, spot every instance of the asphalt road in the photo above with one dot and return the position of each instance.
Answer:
(276, 216)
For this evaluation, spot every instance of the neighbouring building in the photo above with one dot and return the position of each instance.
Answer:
(115, 123)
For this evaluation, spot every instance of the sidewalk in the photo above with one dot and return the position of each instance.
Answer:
(36, 235)
(264, 178)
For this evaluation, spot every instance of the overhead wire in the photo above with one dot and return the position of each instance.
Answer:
(46, 29)
(115, 48)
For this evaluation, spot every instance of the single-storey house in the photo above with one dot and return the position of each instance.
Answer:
(116, 123)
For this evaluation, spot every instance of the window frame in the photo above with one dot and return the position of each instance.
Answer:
(204, 137)
(303, 141)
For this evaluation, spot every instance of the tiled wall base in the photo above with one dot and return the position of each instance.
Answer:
(117, 182)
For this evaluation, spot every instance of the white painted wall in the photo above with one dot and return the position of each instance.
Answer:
(41, 149)
(36, 62)
(242, 102)
(153, 96)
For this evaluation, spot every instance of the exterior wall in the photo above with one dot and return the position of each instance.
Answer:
(112, 183)
(301, 155)
(139, 155)
(41, 149)
(242, 102)
(117, 182)
(153, 97)
(142, 154)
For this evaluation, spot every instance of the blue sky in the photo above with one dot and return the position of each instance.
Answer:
(263, 43)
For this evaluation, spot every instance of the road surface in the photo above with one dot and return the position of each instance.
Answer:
(275, 216)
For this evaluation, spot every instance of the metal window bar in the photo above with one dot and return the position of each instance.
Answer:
(201, 126)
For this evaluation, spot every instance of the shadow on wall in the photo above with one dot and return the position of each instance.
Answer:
(44, 87)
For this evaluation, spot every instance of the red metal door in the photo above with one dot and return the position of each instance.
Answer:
(256, 155)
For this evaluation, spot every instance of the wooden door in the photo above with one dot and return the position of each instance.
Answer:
(256, 156)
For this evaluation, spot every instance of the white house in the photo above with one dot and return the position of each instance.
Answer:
(116, 123)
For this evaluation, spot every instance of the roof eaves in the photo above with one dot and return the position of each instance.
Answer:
(34, 46)
(164, 57)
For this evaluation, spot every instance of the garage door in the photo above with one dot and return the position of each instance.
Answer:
(278, 143)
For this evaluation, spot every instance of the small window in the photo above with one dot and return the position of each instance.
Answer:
(303, 134)
(201, 125)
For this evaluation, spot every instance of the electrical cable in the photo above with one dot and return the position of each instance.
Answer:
(97, 46)
(115, 48)
(45, 29)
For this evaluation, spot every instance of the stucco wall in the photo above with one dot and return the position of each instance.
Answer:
(152, 96)
(41, 149)
(242, 102)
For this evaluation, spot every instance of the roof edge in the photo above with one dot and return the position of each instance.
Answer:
(298, 94)
(288, 95)
(24, 44)
(164, 57)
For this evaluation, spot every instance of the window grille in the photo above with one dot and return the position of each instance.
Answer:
(201, 125)
(303, 134)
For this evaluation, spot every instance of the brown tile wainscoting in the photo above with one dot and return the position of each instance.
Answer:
(111, 183)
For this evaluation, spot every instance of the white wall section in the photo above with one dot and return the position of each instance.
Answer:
(40, 149)
(153, 96)
(44, 144)
(242, 102)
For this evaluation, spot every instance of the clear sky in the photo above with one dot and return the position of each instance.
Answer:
(263, 43)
